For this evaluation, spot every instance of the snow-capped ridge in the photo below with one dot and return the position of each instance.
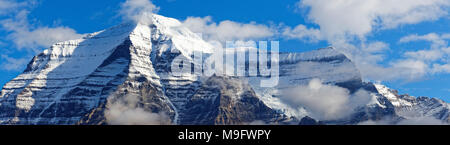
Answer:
(408, 107)
(392, 96)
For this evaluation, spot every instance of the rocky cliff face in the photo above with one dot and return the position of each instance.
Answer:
(75, 82)
(226, 100)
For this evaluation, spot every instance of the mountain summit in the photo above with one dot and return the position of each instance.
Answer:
(124, 72)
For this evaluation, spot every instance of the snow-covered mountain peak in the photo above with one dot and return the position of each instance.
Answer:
(408, 107)
(182, 38)
(392, 96)
(72, 81)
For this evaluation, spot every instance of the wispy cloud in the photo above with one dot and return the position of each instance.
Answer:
(8, 6)
(139, 11)
(28, 36)
(436, 57)
(13, 64)
(436, 40)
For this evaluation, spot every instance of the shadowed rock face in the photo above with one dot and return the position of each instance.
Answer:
(94, 117)
(219, 101)
(76, 105)
(227, 101)
(149, 98)
(309, 121)
(59, 98)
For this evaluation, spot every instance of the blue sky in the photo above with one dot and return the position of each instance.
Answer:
(387, 28)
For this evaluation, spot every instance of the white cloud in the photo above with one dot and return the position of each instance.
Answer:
(423, 120)
(404, 69)
(139, 11)
(436, 57)
(356, 17)
(429, 55)
(301, 32)
(13, 64)
(441, 68)
(446, 50)
(411, 66)
(227, 30)
(438, 49)
(6, 6)
(368, 56)
(326, 102)
(125, 111)
(24, 35)
(445, 36)
(436, 40)
(27, 36)
(410, 69)
(345, 24)
(367, 53)
(384, 121)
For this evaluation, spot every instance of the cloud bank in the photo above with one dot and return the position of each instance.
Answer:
(356, 17)
(423, 120)
(345, 24)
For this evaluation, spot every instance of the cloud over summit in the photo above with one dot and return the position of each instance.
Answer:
(139, 11)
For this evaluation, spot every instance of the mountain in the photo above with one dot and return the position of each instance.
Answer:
(127, 69)
(411, 107)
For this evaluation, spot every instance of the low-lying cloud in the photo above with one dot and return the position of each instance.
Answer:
(326, 102)
(125, 111)
(423, 120)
